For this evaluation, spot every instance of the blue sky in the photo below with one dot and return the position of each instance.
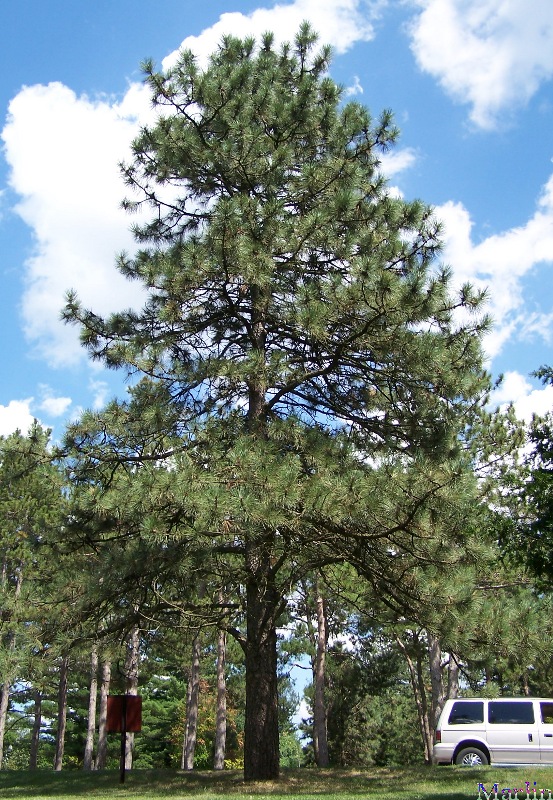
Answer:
(471, 86)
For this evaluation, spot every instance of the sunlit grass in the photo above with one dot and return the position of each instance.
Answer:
(424, 783)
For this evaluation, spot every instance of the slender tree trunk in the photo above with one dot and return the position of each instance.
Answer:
(319, 709)
(452, 677)
(261, 735)
(419, 692)
(221, 719)
(4, 703)
(192, 704)
(62, 714)
(185, 731)
(105, 679)
(35, 734)
(525, 685)
(436, 681)
(131, 672)
(88, 762)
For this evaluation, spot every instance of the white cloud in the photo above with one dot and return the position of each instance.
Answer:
(355, 88)
(63, 152)
(526, 399)
(99, 391)
(16, 416)
(340, 23)
(492, 54)
(51, 405)
(499, 263)
(397, 161)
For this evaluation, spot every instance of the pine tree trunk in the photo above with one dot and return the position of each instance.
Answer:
(452, 677)
(35, 734)
(436, 682)
(192, 705)
(261, 735)
(221, 719)
(319, 709)
(62, 714)
(4, 703)
(91, 722)
(101, 756)
(419, 691)
(131, 672)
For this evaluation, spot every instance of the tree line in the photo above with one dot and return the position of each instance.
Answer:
(305, 456)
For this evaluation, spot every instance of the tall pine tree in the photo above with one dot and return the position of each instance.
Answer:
(295, 330)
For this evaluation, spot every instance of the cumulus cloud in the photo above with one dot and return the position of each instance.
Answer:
(63, 153)
(397, 161)
(491, 54)
(16, 416)
(51, 405)
(340, 23)
(499, 263)
(526, 399)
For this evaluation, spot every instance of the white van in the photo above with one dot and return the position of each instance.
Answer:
(507, 730)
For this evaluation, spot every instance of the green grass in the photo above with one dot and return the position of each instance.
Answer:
(424, 783)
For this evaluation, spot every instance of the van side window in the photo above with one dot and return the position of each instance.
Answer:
(501, 712)
(466, 713)
(547, 713)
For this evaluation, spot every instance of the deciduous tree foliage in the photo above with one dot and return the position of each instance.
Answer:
(296, 333)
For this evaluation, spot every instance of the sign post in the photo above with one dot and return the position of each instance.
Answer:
(124, 716)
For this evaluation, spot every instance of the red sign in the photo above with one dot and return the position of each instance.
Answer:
(124, 713)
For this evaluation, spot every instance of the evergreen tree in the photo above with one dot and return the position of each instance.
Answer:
(295, 330)
(528, 534)
(31, 515)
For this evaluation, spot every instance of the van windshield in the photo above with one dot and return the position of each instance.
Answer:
(465, 712)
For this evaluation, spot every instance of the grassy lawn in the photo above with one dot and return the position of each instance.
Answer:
(424, 783)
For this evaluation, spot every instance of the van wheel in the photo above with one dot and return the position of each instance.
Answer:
(471, 757)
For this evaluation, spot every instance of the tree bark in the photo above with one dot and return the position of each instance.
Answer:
(131, 672)
(101, 756)
(452, 677)
(4, 703)
(192, 704)
(88, 762)
(421, 701)
(436, 681)
(221, 719)
(261, 735)
(35, 733)
(320, 742)
(62, 714)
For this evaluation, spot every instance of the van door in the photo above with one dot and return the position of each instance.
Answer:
(513, 732)
(546, 730)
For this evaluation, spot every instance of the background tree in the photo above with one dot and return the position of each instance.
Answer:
(31, 516)
(527, 534)
(295, 330)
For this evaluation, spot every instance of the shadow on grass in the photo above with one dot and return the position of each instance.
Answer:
(422, 783)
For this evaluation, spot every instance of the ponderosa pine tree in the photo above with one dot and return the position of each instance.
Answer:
(296, 329)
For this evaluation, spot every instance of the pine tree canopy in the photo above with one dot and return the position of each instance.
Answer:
(284, 278)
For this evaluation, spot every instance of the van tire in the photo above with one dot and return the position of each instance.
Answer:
(471, 757)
